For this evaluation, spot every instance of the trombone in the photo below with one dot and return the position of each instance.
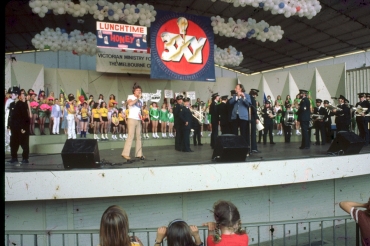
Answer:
(197, 115)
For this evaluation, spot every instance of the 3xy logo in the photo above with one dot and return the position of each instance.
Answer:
(182, 46)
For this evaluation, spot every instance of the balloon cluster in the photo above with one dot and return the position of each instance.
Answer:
(77, 42)
(100, 9)
(228, 56)
(307, 8)
(246, 29)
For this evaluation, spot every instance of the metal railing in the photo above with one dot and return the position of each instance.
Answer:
(327, 230)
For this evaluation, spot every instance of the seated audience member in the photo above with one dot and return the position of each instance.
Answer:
(362, 217)
(178, 232)
(114, 228)
(228, 222)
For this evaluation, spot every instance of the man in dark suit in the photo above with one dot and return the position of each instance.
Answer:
(19, 124)
(230, 111)
(177, 123)
(254, 120)
(224, 115)
(328, 122)
(319, 123)
(361, 119)
(186, 119)
(342, 115)
(196, 126)
(213, 110)
(304, 114)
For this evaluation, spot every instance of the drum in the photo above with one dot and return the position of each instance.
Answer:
(289, 118)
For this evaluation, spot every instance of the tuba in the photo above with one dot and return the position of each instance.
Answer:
(197, 115)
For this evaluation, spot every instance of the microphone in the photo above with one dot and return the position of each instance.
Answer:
(334, 98)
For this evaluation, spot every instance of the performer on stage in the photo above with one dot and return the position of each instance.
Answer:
(20, 128)
(361, 118)
(134, 103)
(329, 113)
(186, 118)
(268, 115)
(319, 123)
(196, 126)
(224, 115)
(287, 126)
(71, 110)
(254, 120)
(342, 115)
(213, 110)
(241, 102)
(177, 123)
(304, 113)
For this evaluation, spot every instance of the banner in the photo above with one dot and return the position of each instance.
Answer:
(118, 61)
(182, 47)
(168, 94)
(120, 36)
(191, 95)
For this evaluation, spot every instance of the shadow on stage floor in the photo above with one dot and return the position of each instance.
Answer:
(168, 156)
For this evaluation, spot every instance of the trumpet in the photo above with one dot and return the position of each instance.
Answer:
(269, 112)
(331, 107)
(197, 115)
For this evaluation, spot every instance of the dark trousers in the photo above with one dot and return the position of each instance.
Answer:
(287, 132)
(260, 135)
(186, 140)
(179, 138)
(328, 131)
(18, 139)
(214, 134)
(342, 127)
(253, 134)
(244, 129)
(196, 136)
(320, 131)
(268, 130)
(305, 134)
(362, 124)
(225, 128)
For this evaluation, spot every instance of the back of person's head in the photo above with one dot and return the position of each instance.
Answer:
(226, 214)
(114, 227)
(179, 234)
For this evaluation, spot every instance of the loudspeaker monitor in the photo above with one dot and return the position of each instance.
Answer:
(80, 153)
(230, 148)
(346, 143)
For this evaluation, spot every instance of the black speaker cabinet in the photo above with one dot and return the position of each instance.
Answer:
(230, 148)
(346, 143)
(80, 153)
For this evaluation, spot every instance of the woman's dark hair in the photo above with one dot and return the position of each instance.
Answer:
(95, 105)
(179, 234)
(136, 87)
(101, 96)
(226, 214)
(101, 104)
(114, 227)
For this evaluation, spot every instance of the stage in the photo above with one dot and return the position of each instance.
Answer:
(159, 156)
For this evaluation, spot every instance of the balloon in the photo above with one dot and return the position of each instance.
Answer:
(298, 8)
(261, 5)
(110, 12)
(281, 5)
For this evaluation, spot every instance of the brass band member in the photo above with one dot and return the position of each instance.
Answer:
(319, 123)
(304, 113)
(328, 122)
(342, 115)
(268, 119)
(361, 118)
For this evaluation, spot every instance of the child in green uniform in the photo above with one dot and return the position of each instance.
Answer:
(154, 118)
(163, 120)
(171, 121)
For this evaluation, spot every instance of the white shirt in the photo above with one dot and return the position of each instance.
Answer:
(135, 110)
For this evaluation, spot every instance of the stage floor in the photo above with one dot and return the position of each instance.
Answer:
(168, 156)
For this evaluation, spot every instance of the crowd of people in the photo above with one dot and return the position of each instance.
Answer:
(225, 230)
(238, 113)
